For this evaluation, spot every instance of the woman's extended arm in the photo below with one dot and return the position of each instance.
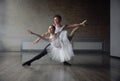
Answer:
(76, 25)
(38, 39)
(30, 32)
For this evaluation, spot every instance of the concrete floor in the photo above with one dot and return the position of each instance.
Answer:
(82, 69)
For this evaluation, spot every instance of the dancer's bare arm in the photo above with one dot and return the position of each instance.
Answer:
(38, 39)
(40, 36)
(82, 24)
(74, 30)
(72, 33)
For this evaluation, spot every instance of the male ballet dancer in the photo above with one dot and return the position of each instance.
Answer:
(58, 28)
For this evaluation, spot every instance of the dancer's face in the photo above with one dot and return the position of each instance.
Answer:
(57, 20)
(51, 30)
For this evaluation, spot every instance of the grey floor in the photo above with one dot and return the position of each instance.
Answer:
(85, 67)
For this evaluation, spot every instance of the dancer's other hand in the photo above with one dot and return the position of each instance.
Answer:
(83, 23)
(29, 31)
(58, 46)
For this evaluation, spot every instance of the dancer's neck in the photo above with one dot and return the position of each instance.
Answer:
(58, 25)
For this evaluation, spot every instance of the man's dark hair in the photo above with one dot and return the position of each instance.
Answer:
(58, 16)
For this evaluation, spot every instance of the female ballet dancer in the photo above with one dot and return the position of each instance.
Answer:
(60, 48)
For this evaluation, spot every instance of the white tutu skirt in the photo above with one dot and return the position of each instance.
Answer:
(61, 49)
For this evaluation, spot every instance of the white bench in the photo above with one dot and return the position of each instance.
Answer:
(77, 45)
(87, 45)
(29, 46)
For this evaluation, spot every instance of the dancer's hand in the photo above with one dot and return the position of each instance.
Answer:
(58, 46)
(83, 23)
(30, 32)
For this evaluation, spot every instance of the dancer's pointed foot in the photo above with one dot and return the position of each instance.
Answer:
(26, 64)
(66, 63)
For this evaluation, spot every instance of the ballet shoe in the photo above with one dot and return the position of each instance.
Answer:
(26, 64)
(66, 63)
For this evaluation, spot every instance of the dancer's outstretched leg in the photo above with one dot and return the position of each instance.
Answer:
(43, 53)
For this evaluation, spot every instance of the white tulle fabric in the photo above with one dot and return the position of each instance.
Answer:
(60, 49)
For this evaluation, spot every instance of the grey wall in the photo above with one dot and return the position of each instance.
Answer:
(16, 16)
(115, 28)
